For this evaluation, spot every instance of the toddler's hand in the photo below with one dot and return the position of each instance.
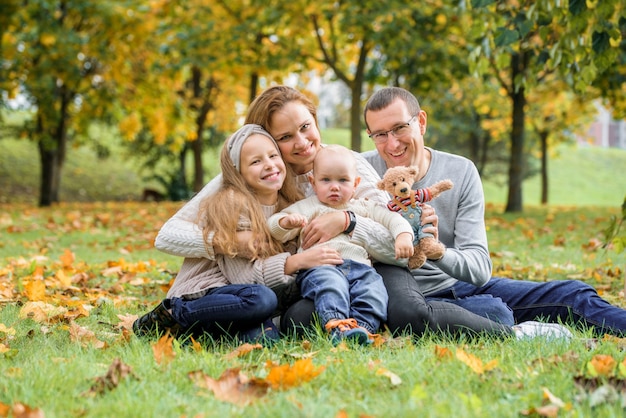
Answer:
(404, 245)
(292, 221)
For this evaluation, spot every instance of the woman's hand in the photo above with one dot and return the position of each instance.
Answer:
(313, 257)
(323, 228)
(430, 217)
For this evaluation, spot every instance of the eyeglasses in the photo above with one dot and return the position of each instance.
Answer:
(397, 132)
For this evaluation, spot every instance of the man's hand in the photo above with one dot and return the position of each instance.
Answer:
(404, 245)
(430, 217)
(323, 228)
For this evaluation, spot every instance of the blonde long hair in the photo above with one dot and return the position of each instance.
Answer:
(234, 207)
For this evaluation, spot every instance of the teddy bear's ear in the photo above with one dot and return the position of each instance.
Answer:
(381, 184)
(413, 171)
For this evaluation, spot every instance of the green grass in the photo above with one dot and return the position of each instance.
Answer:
(46, 369)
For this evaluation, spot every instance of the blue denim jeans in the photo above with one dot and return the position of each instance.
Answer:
(348, 290)
(243, 311)
(569, 301)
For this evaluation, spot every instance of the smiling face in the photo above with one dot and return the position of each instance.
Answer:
(294, 129)
(262, 168)
(406, 150)
(334, 178)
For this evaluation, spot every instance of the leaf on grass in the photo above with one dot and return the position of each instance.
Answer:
(601, 365)
(84, 336)
(443, 352)
(42, 312)
(393, 378)
(19, 410)
(6, 330)
(67, 259)
(286, 376)
(474, 362)
(126, 321)
(232, 386)
(163, 349)
(551, 399)
(550, 411)
(4, 349)
(35, 289)
(4, 409)
(117, 371)
(195, 345)
(242, 350)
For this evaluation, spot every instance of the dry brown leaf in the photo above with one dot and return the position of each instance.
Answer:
(286, 376)
(67, 259)
(474, 362)
(163, 349)
(393, 378)
(232, 386)
(35, 289)
(242, 350)
(24, 411)
(442, 352)
(602, 365)
(42, 312)
(195, 345)
(117, 371)
(126, 321)
(4, 409)
(84, 336)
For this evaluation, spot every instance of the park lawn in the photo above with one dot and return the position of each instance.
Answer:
(74, 276)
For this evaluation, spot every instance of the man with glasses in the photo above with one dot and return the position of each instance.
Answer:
(397, 125)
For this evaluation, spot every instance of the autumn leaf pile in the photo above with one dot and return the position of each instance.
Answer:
(61, 266)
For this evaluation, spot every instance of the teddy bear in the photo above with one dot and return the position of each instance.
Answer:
(397, 181)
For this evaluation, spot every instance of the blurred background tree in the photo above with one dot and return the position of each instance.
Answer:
(503, 82)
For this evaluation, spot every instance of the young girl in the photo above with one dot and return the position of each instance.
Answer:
(234, 292)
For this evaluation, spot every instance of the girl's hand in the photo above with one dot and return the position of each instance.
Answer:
(323, 228)
(318, 256)
(430, 217)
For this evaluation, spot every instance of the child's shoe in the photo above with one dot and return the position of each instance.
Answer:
(157, 320)
(348, 329)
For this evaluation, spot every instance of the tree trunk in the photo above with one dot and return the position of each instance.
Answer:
(254, 82)
(355, 116)
(52, 150)
(356, 87)
(543, 135)
(49, 170)
(516, 161)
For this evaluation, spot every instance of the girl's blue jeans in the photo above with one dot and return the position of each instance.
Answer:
(243, 311)
(348, 290)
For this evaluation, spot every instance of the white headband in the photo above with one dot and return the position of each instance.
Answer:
(236, 141)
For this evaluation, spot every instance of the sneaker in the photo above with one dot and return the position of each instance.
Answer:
(348, 329)
(158, 320)
(532, 329)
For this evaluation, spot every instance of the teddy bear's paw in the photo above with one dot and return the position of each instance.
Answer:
(417, 260)
(432, 248)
